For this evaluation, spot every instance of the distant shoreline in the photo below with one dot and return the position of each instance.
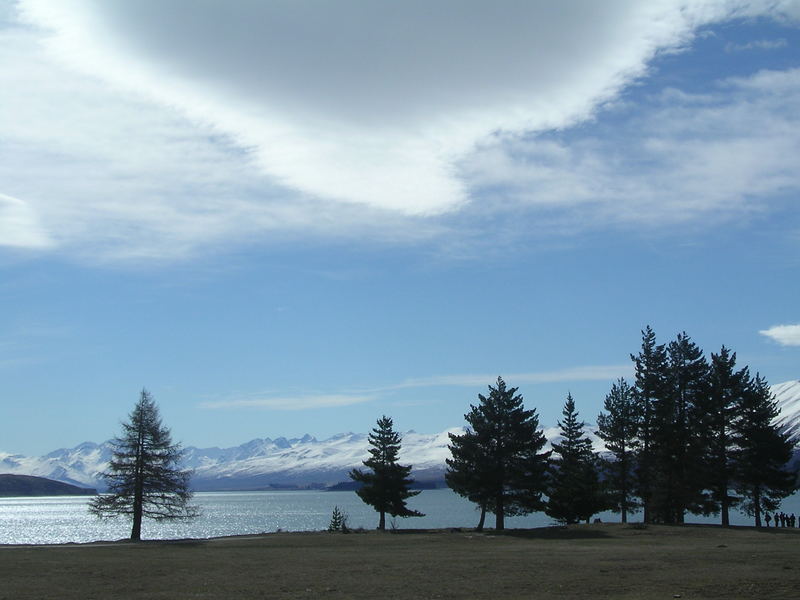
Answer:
(29, 486)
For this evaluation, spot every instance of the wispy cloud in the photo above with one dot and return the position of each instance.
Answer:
(20, 226)
(683, 159)
(320, 401)
(757, 45)
(311, 402)
(785, 335)
(587, 373)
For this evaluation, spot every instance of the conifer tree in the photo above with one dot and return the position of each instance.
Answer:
(650, 387)
(619, 428)
(762, 452)
(470, 470)
(386, 485)
(144, 478)
(574, 492)
(677, 439)
(717, 418)
(497, 462)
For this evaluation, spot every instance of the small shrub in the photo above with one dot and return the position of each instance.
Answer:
(338, 521)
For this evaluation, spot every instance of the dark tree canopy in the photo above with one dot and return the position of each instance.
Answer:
(385, 486)
(650, 386)
(706, 440)
(678, 433)
(574, 494)
(497, 462)
(762, 452)
(718, 414)
(143, 477)
(619, 428)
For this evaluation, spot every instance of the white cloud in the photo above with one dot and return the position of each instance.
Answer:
(785, 335)
(20, 226)
(312, 402)
(372, 103)
(686, 158)
(389, 121)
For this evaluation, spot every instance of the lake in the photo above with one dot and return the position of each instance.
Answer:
(58, 520)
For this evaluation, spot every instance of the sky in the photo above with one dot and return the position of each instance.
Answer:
(294, 217)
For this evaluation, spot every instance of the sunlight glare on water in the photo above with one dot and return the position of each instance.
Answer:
(59, 520)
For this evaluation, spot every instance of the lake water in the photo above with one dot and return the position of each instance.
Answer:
(58, 520)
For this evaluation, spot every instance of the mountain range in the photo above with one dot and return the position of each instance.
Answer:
(265, 463)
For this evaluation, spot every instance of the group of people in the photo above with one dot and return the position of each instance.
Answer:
(781, 519)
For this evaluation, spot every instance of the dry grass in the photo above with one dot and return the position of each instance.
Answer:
(597, 561)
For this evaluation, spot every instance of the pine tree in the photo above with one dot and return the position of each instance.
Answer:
(717, 417)
(144, 478)
(619, 428)
(497, 463)
(574, 493)
(762, 452)
(470, 471)
(650, 388)
(386, 486)
(338, 521)
(677, 437)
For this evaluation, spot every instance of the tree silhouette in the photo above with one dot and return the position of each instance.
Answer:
(762, 453)
(497, 462)
(718, 415)
(619, 428)
(650, 387)
(574, 493)
(386, 486)
(144, 479)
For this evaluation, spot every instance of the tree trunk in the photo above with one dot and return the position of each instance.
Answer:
(757, 505)
(724, 510)
(482, 519)
(623, 505)
(138, 489)
(382, 522)
(500, 514)
(136, 531)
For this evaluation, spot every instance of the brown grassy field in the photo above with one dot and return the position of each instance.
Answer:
(586, 561)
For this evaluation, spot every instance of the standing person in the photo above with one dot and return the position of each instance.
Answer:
(768, 519)
(792, 520)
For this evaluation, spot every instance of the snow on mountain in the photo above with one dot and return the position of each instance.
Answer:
(261, 463)
(787, 395)
(258, 463)
(79, 466)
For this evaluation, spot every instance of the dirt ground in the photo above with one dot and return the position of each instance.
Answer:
(584, 561)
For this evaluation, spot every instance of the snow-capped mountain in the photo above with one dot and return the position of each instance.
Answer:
(306, 461)
(787, 395)
(259, 463)
(79, 466)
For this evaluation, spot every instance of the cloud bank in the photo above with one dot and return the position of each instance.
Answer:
(192, 123)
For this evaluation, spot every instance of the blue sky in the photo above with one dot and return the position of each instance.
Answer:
(287, 218)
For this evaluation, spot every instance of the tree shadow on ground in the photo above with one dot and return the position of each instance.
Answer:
(555, 532)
